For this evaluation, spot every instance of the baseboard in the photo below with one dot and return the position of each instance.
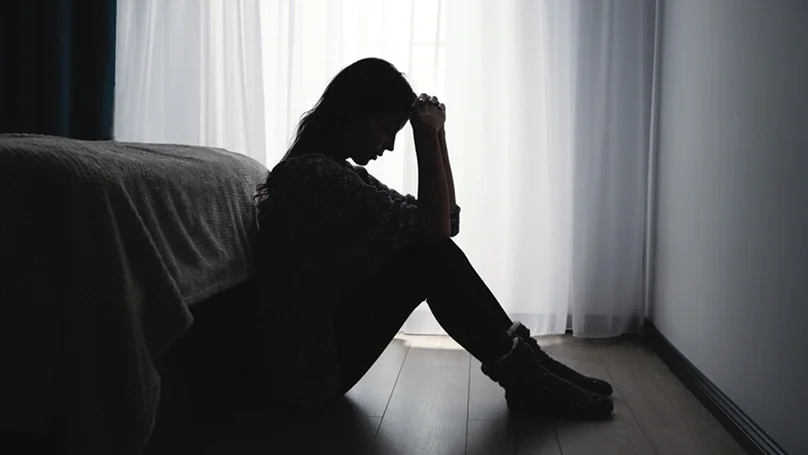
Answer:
(748, 434)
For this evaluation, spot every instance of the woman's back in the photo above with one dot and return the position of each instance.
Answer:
(324, 226)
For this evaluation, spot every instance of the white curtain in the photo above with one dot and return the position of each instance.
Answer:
(548, 116)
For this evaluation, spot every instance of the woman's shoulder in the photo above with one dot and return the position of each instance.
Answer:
(311, 164)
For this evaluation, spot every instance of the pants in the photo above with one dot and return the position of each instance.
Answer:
(371, 315)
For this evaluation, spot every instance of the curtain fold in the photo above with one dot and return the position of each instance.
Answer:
(190, 72)
(548, 114)
(554, 100)
(58, 67)
(612, 88)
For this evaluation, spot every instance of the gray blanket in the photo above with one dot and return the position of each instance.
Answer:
(104, 246)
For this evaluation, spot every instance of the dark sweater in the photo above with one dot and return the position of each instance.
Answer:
(324, 228)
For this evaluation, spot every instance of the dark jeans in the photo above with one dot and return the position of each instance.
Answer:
(438, 272)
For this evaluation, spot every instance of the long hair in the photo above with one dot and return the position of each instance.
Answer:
(362, 89)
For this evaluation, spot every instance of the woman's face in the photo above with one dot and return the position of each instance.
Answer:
(370, 138)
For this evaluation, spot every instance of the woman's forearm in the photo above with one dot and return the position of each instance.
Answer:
(433, 190)
(447, 168)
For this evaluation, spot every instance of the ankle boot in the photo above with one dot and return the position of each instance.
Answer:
(594, 385)
(532, 389)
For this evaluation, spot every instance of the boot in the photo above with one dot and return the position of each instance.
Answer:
(532, 389)
(594, 385)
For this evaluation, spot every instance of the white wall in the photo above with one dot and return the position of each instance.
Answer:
(732, 247)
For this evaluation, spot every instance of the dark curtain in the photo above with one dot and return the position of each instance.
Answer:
(57, 67)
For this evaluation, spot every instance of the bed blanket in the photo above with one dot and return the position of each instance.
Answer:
(104, 246)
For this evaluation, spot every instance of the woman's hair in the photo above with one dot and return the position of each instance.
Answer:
(361, 90)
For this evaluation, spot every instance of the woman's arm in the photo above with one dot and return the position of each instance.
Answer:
(447, 168)
(433, 189)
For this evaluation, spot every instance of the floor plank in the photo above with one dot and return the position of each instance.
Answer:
(621, 435)
(692, 440)
(372, 393)
(425, 396)
(490, 437)
(676, 441)
(486, 397)
(427, 413)
(535, 437)
(436, 351)
(718, 440)
(512, 437)
(343, 430)
(654, 394)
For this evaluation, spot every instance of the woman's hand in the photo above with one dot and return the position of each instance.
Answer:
(428, 114)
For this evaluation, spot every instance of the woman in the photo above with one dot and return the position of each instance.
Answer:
(343, 259)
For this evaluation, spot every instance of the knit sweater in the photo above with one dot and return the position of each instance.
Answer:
(324, 227)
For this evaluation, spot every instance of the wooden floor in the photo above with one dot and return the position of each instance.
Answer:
(426, 396)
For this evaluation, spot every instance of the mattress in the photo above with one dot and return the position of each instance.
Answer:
(105, 246)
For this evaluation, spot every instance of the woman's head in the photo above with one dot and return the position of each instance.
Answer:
(359, 113)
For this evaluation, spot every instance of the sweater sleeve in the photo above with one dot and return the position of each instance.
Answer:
(454, 213)
(368, 215)
(331, 222)
(355, 225)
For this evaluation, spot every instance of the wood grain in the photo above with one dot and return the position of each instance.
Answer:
(619, 436)
(486, 397)
(436, 351)
(372, 393)
(426, 414)
(342, 430)
(706, 440)
(676, 441)
(718, 441)
(653, 393)
(511, 437)
(427, 396)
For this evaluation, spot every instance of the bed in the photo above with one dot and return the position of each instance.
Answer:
(109, 252)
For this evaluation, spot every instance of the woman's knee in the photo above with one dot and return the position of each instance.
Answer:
(436, 254)
(419, 268)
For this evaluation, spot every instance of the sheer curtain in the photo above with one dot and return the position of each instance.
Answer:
(548, 116)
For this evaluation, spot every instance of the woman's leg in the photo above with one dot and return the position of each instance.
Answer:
(464, 306)
(439, 273)
(367, 320)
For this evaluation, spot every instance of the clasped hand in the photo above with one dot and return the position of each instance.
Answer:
(428, 114)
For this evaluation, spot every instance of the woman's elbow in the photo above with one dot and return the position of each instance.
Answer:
(454, 227)
(440, 231)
